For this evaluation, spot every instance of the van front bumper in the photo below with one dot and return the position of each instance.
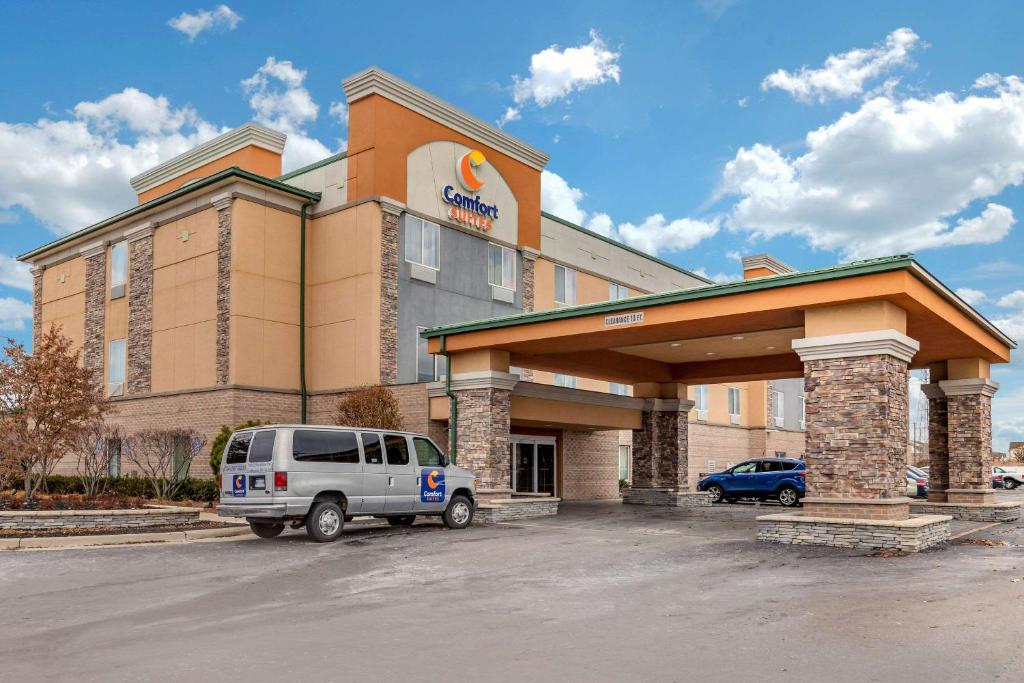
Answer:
(272, 511)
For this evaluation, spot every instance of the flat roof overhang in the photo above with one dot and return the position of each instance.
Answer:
(679, 329)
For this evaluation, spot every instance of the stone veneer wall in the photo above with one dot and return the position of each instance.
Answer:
(589, 465)
(490, 513)
(856, 427)
(91, 519)
(529, 278)
(95, 311)
(484, 423)
(660, 448)
(140, 315)
(37, 305)
(908, 538)
(223, 290)
(970, 442)
(938, 444)
(388, 297)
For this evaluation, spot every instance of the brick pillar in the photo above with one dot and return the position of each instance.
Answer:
(140, 309)
(938, 442)
(37, 304)
(969, 404)
(391, 211)
(856, 388)
(671, 442)
(484, 424)
(223, 204)
(95, 306)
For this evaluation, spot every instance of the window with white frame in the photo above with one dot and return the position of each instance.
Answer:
(734, 405)
(779, 407)
(711, 466)
(565, 286)
(568, 381)
(422, 240)
(625, 463)
(618, 389)
(700, 401)
(429, 367)
(617, 291)
(803, 412)
(118, 269)
(115, 367)
(501, 266)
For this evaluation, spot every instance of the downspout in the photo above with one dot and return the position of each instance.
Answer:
(302, 312)
(453, 404)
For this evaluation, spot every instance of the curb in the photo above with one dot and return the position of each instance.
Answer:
(120, 539)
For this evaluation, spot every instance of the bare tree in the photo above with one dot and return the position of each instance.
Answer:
(164, 457)
(374, 407)
(94, 455)
(47, 399)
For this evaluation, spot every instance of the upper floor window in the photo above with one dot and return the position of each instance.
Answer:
(568, 381)
(501, 266)
(803, 412)
(700, 401)
(115, 367)
(734, 405)
(619, 389)
(118, 269)
(617, 291)
(565, 286)
(422, 239)
(779, 408)
(428, 366)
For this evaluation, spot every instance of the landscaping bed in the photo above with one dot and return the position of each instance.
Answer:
(103, 531)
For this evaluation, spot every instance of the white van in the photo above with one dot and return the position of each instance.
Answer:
(320, 477)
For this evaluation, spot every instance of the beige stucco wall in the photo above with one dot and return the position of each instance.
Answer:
(64, 302)
(184, 303)
(343, 299)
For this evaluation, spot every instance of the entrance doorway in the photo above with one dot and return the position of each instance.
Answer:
(533, 464)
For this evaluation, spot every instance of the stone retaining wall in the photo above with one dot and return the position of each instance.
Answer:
(493, 512)
(999, 512)
(665, 497)
(90, 519)
(909, 536)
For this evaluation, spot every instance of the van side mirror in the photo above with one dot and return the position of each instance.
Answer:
(445, 460)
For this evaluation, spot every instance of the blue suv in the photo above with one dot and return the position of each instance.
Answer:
(762, 478)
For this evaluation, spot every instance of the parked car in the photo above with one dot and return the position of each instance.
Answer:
(1011, 477)
(779, 478)
(322, 477)
(917, 482)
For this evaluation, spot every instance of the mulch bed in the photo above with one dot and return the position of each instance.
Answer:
(103, 531)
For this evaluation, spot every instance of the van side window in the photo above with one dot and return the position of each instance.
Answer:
(262, 449)
(314, 445)
(397, 449)
(238, 449)
(427, 454)
(371, 449)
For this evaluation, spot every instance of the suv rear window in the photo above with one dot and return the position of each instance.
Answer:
(262, 449)
(238, 448)
(314, 445)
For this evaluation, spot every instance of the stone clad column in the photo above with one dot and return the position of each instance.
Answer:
(969, 404)
(391, 212)
(37, 304)
(529, 271)
(484, 425)
(95, 306)
(856, 388)
(223, 203)
(140, 309)
(938, 442)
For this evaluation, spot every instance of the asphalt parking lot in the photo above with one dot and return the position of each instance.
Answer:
(602, 592)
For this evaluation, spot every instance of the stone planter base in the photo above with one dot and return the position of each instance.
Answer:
(976, 512)
(90, 519)
(511, 509)
(666, 497)
(908, 535)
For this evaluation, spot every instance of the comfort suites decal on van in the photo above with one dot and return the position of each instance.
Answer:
(432, 486)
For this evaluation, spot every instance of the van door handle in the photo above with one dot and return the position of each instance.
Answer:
(391, 481)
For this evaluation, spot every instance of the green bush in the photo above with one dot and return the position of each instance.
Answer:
(217, 447)
(136, 487)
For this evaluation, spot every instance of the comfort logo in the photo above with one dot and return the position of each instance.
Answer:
(238, 485)
(431, 486)
(466, 169)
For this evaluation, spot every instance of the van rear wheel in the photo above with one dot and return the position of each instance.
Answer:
(459, 513)
(404, 520)
(324, 522)
(265, 529)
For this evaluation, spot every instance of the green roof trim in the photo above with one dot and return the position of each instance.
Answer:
(845, 270)
(628, 248)
(232, 172)
(313, 166)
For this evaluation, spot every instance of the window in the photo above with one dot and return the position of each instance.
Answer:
(427, 454)
(618, 389)
(179, 458)
(711, 466)
(371, 449)
(118, 269)
(779, 406)
(745, 468)
(113, 458)
(617, 291)
(773, 466)
(115, 368)
(700, 402)
(262, 449)
(428, 366)
(238, 449)
(734, 405)
(397, 449)
(567, 381)
(501, 266)
(314, 445)
(803, 412)
(565, 286)
(624, 462)
(421, 242)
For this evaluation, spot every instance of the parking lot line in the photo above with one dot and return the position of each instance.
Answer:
(973, 531)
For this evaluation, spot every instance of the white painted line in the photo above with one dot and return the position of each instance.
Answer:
(974, 531)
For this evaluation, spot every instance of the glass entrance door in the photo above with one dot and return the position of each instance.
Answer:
(533, 465)
(522, 467)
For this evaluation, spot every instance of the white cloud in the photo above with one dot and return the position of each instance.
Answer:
(222, 17)
(734, 255)
(1014, 299)
(1007, 418)
(845, 75)
(556, 73)
(717, 278)
(892, 176)
(743, 102)
(339, 110)
(280, 100)
(973, 297)
(15, 274)
(14, 313)
(559, 198)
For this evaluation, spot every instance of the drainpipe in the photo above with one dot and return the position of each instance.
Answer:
(302, 311)
(453, 403)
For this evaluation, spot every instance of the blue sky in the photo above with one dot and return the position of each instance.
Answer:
(703, 130)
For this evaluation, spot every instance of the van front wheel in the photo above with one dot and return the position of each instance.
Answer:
(324, 522)
(459, 513)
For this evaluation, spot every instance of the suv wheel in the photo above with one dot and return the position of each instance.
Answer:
(717, 494)
(789, 496)
(459, 513)
(1010, 484)
(265, 529)
(324, 522)
(404, 520)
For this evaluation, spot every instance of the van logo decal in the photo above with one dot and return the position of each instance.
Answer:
(431, 486)
(238, 484)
